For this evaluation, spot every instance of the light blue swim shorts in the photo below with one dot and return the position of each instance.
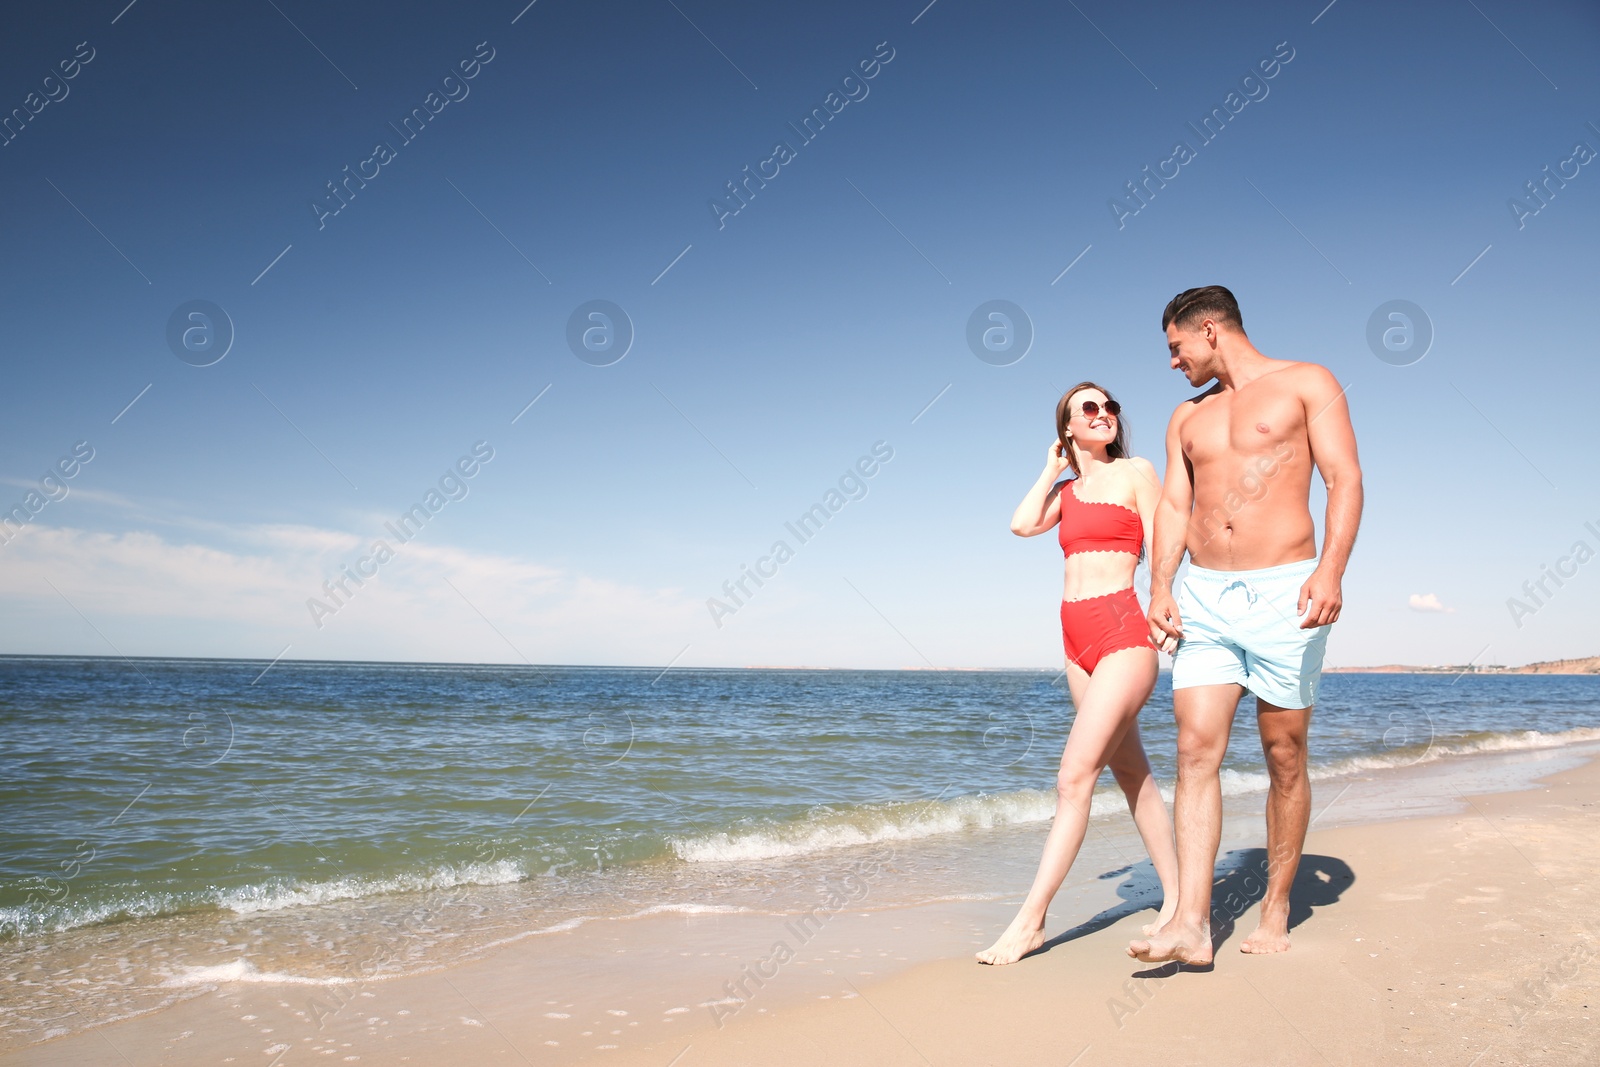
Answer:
(1242, 627)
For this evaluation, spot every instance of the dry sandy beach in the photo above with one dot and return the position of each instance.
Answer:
(1464, 939)
(1470, 938)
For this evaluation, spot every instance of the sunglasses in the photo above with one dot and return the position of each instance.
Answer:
(1091, 410)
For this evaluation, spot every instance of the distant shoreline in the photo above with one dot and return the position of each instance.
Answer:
(1587, 665)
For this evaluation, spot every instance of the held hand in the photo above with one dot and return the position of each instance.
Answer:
(1166, 628)
(1322, 593)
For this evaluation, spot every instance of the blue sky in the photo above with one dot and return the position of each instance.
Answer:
(373, 348)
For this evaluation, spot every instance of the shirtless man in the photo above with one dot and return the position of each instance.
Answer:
(1254, 610)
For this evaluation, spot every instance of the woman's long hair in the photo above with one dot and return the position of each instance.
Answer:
(1117, 449)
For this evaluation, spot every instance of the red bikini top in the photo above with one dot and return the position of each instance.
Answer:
(1097, 526)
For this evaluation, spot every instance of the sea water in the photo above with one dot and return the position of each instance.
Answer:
(171, 823)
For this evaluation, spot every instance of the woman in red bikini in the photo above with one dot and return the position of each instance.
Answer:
(1105, 513)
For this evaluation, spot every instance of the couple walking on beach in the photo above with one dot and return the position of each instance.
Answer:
(1252, 614)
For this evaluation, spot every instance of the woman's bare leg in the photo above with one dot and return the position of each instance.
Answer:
(1131, 767)
(1107, 703)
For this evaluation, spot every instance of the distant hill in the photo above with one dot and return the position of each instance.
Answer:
(1587, 665)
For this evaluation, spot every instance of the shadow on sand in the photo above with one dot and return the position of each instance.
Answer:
(1239, 883)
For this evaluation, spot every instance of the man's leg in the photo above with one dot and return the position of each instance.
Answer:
(1283, 740)
(1205, 718)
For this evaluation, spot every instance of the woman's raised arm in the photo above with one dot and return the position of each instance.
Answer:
(1041, 508)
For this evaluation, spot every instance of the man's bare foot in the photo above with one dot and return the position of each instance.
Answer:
(1176, 941)
(1270, 936)
(1014, 944)
(1162, 918)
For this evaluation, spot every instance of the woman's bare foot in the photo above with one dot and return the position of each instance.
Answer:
(1272, 934)
(1162, 918)
(1014, 944)
(1176, 941)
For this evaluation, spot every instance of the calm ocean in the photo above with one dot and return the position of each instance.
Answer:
(169, 822)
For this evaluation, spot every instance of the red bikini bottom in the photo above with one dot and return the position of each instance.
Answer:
(1093, 628)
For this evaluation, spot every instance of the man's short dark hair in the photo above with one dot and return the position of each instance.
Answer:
(1207, 302)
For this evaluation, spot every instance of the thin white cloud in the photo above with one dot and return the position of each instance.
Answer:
(75, 491)
(1428, 602)
(154, 596)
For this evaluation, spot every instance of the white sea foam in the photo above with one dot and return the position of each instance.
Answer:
(868, 825)
(258, 898)
(242, 970)
(52, 918)
(910, 821)
(250, 899)
(1236, 783)
(691, 909)
(1468, 746)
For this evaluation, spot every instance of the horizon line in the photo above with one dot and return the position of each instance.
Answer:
(1388, 668)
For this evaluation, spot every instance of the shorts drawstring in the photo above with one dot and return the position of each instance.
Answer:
(1252, 594)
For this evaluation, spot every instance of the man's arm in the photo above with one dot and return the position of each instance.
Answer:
(1333, 450)
(1171, 535)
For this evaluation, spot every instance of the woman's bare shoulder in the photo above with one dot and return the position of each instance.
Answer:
(1139, 475)
(1140, 465)
(1137, 468)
